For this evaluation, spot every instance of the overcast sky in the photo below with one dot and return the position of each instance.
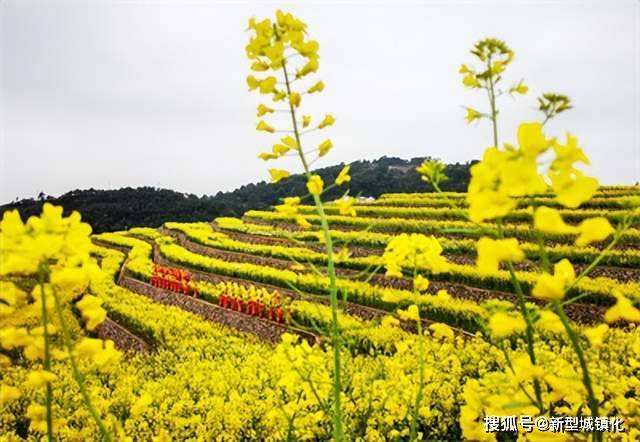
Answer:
(107, 94)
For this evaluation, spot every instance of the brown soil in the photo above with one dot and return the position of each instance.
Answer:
(123, 339)
(265, 330)
(579, 312)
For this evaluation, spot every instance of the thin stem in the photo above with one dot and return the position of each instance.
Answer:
(42, 275)
(527, 319)
(544, 256)
(333, 292)
(591, 266)
(586, 378)
(492, 100)
(66, 339)
(414, 420)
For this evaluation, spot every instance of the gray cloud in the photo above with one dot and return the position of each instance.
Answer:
(117, 93)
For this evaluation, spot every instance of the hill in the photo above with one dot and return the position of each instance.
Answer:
(121, 209)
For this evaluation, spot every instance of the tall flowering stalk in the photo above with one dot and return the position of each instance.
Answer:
(523, 171)
(284, 57)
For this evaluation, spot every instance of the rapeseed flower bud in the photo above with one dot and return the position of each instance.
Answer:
(432, 171)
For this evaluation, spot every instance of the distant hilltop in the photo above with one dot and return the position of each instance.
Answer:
(110, 210)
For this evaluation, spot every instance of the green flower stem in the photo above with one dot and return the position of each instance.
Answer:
(43, 273)
(492, 101)
(591, 266)
(338, 433)
(512, 273)
(414, 421)
(66, 339)
(586, 378)
(544, 256)
(527, 319)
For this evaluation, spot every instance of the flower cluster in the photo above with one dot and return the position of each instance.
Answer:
(36, 323)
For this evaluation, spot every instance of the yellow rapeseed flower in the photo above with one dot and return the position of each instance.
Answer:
(318, 87)
(572, 187)
(8, 394)
(441, 331)
(470, 80)
(520, 88)
(623, 309)
(502, 325)
(294, 99)
(315, 185)
(410, 314)
(324, 147)
(262, 110)
(38, 379)
(531, 139)
(327, 121)
(264, 127)
(345, 206)
(549, 220)
(593, 230)
(553, 287)
(266, 156)
(278, 174)
(343, 176)
(472, 115)
(492, 252)
(596, 334)
(550, 322)
(302, 222)
(289, 206)
(91, 310)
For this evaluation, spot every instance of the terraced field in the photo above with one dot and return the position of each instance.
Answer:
(268, 250)
(214, 310)
(426, 316)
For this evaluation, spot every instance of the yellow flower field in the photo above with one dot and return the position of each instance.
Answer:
(423, 316)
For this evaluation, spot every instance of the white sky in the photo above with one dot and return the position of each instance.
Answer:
(107, 94)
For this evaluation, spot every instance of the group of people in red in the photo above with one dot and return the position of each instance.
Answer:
(175, 280)
(273, 312)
